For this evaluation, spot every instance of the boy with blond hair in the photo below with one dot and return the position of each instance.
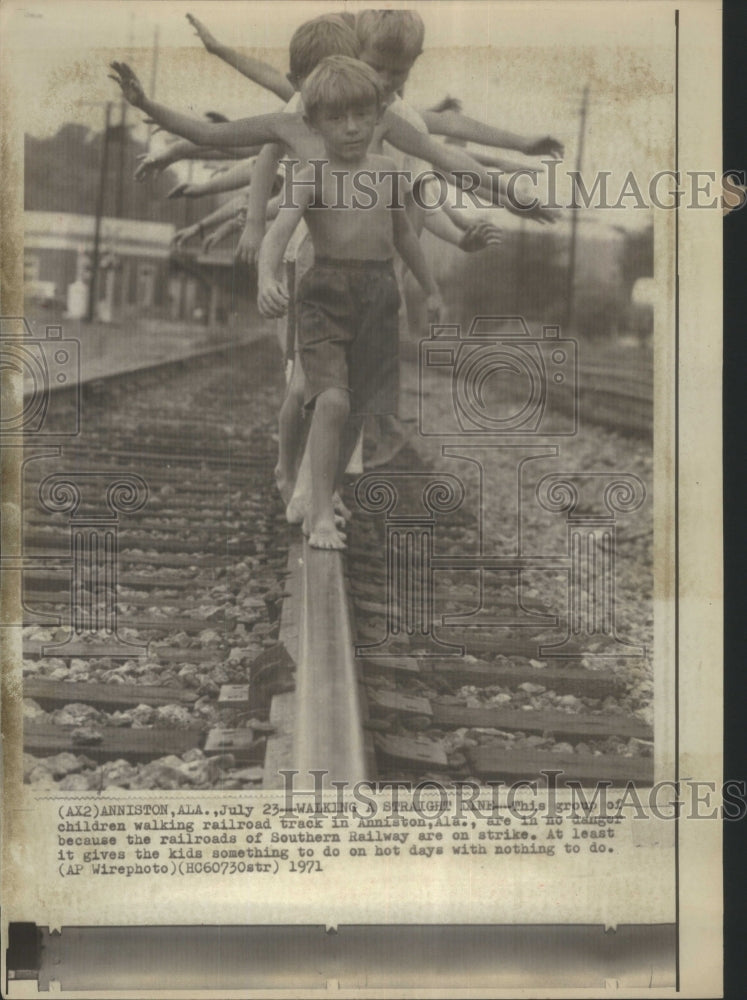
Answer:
(287, 133)
(408, 31)
(348, 301)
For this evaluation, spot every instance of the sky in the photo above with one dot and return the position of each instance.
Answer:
(522, 66)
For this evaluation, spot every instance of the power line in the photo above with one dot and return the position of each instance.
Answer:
(93, 286)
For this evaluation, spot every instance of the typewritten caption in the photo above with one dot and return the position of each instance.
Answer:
(136, 840)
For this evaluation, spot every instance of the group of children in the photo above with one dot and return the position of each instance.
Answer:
(352, 150)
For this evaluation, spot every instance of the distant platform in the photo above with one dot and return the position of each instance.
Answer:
(105, 350)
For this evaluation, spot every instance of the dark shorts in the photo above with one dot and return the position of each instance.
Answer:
(348, 332)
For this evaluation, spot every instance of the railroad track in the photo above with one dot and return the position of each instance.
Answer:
(225, 610)
(492, 707)
(142, 678)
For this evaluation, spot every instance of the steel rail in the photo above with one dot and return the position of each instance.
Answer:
(329, 728)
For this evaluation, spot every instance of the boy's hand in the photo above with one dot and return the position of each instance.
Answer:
(434, 305)
(209, 242)
(249, 242)
(128, 81)
(544, 145)
(182, 235)
(150, 165)
(208, 40)
(272, 299)
(480, 235)
(525, 203)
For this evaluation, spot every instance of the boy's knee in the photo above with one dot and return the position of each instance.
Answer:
(333, 405)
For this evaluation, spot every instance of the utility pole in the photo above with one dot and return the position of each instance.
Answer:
(153, 78)
(93, 286)
(119, 210)
(521, 267)
(571, 277)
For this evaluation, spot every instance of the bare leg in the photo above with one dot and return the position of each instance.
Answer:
(328, 427)
(342, 513)
(349, 440)
(300, 502)
(298, 506)
(355, 465)
(293, 475)
(291, 427)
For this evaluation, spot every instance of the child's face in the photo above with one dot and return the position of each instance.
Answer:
(392, 70)
(347, 132)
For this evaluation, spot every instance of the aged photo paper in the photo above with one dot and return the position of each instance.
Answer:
(529, 609)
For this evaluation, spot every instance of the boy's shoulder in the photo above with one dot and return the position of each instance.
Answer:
(288, 120)
(287, 126)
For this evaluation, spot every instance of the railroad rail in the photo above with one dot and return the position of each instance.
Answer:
(197, 680)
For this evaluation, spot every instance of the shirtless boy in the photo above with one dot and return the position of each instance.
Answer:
(348, 302)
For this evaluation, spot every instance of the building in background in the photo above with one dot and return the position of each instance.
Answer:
(139, 273)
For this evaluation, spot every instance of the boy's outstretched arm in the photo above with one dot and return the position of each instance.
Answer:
(460, 168)
(265, 172)
(408, 247)
(459, 126)
(224, 229)
(248, 132)
(472, 237)
(503, 163)
(272, 297)
(236, 177)
(183, 149)
(219, 215)
(254, 69)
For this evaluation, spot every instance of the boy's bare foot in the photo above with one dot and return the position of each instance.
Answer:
(340, 523)
(324, 535)
(298, 507)
(285, 489)
(340, 508)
